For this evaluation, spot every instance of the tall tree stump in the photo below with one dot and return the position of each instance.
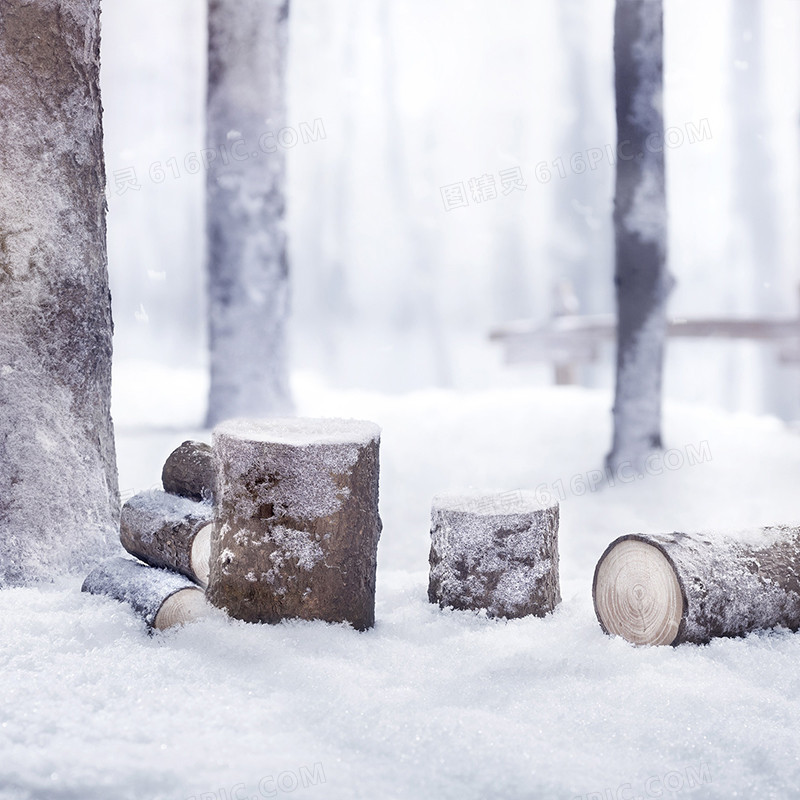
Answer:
(189, 471)
(59, 498)
(679, 587)
(169, 532)
(494, 551)
(296, 521)
(160, 597)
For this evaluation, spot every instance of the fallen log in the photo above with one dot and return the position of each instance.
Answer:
(189, 471)
(162, 598)
(169, 532)
(296, 525)
(679, 587)
(494, 551)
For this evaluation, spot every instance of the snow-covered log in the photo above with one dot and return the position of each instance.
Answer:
(168, 531)
(189, 471)
(162, 598)
(296, 523)
(679, 587)
(59, 499)
(248, 272)
(494, 551)
(641, 277)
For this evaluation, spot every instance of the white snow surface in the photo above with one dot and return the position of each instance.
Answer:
(301, 432)
(490, 503)
(430, 703)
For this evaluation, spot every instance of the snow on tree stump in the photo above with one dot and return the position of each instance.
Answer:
(296, 523)
(679, 587)
(169, 532)
(494, 551)
(162, 598)
(189, 471)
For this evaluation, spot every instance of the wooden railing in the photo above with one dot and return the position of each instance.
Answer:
(569, 340)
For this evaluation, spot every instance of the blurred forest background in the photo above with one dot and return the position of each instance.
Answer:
(394, 292)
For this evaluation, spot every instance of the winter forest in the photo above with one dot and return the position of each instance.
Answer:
(399, 400)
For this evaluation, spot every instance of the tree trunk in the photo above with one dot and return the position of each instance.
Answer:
(640, 227)
(160, 597)
(247, 263)
(297, 525)
(497, 552)
(675, 588)
(189, 472)
(169, 532)
(59, 498)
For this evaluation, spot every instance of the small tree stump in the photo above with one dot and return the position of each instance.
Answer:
(169, 532)
(678, 587)
(160, 597)
(296, 525)
(189, 471)
(494, 551)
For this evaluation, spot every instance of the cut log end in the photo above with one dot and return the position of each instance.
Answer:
(184, 606)
(201, 554)
(637, 594)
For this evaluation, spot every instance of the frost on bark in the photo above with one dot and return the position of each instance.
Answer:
(189, 471)
(640, 227)
(168, 532)
(296, 524)
(248, 279)
(59, 499)
(493, 555)
(679, 587)
(160, 597)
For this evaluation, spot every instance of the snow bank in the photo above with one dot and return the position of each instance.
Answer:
(431, 703)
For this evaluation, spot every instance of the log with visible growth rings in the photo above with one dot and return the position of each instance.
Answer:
(494, 551)
(162, 598)
(296, 520)
(676, 588)
(169, 532)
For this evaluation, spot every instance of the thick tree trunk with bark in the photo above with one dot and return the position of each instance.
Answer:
(169, 532)
(189, 471)
(494, 552)
(247, 263)
(296, 524)
(59, 499)
(675, 588)
(160, 597)
(640, 225)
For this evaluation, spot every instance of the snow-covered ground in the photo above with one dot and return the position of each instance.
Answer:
(429, 704)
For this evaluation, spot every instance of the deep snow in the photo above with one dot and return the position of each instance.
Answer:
(429, 704)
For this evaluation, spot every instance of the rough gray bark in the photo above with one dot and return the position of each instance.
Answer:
(59, 499)
(297, 524)
(160, 597)
(169, 532)
(248, 275)
(493, 555)
(189, 471)
(729, 584)
(640, 226)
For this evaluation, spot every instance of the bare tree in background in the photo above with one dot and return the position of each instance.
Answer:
(248, 274)
(640, 226)
(59, 499)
